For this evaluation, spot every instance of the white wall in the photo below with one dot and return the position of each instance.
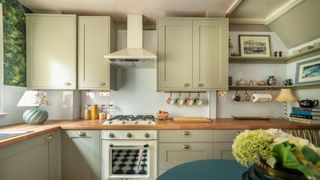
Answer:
(137, 89)
(62, 106)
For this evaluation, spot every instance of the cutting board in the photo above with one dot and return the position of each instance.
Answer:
(191, 120)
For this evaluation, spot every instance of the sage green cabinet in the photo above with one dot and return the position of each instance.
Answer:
(34, 159)
(96, 38)
(51, 51)
(81, 155)
(192, 53)
(174, 54)
(210, 54)
(180, 146)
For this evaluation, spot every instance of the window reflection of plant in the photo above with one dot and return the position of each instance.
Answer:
(14, 41)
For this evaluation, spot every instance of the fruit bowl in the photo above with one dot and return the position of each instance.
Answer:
(162, 115)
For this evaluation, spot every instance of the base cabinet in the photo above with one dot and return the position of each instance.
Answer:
(34, 159)
(81, 155)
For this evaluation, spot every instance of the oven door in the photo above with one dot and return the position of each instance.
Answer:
(134, 159)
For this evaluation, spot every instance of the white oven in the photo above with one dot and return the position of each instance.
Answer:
(129, 154)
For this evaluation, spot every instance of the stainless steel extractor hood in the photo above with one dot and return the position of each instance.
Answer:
(134, 55)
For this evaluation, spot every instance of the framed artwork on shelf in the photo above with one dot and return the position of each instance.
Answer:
(254, 45)
(308, 71)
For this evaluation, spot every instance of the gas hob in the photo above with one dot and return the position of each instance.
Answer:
(131, 120)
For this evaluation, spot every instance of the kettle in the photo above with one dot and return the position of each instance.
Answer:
(306, 103)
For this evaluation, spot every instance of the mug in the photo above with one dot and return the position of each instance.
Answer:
(236, 97)
(246, 97)
(198, 101)
(170, 100)
(261, 97)
(179, 101)
(189, 101)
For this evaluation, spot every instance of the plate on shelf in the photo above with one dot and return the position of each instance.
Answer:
(250, 118)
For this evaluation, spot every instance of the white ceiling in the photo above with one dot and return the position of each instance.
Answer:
(152, 9)
(118, 9)
(257, 8)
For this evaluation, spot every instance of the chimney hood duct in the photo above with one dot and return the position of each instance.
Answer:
(134, 55)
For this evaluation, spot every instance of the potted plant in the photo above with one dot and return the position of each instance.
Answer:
(274, 154)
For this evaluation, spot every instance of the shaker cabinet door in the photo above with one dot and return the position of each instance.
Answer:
(81, 155)
(51, 51)
(174, 54)
(94, 36)
(210, 54)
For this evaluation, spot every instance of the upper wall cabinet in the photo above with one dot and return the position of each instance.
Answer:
(51, 51)
(192, 54)
(96, 38)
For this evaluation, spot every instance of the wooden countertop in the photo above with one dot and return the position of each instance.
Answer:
(222, 124)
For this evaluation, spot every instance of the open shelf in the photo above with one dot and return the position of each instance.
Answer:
(262, 60)
(298, 86)
(274, 60)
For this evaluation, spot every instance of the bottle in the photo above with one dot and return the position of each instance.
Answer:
(110, 111)
(102, 114)
(87, 112)
(94, 112)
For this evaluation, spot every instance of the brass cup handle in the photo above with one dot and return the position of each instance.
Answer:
(186, 84)
(186, 146)
(82, 134)
(199, 84)
(102, 83)
(67, 84)
(186, 133)
(49, 137)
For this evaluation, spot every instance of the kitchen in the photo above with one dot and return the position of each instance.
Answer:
(172, 101)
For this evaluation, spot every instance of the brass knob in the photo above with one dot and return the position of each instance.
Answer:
(82, 134)
(237, 133)
(199, 84)
(102, 83)
(67, 84)
(50, 137)
(186, 133)
(186, 146)
(186, 84)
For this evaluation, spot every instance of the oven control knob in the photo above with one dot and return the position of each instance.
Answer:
(111, 135)
(146, 135)
(129, 135)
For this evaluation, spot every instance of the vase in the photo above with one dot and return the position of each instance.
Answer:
(35, 116)
(271, 81)
(264, 172)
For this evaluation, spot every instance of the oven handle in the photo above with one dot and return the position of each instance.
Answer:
(143, 146)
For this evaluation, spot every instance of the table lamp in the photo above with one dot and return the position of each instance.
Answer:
(35, 115)
(285, 96)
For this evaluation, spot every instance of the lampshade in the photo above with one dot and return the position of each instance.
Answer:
(33, 99)
(285, 95)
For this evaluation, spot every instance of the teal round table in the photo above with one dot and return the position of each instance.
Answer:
(205, 169)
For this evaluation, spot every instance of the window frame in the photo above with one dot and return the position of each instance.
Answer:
(1, 62)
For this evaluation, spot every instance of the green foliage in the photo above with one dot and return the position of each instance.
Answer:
(284, 155)
(310, 155)
(14, 41)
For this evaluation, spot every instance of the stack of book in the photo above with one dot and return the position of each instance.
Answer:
(305, 115)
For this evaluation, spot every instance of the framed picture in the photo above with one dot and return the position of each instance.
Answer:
(308, 71)
(254, 45)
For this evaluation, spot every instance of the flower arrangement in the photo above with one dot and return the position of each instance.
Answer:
(41, 98)
(278, 150)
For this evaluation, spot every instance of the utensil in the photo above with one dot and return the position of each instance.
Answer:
(236, 97)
